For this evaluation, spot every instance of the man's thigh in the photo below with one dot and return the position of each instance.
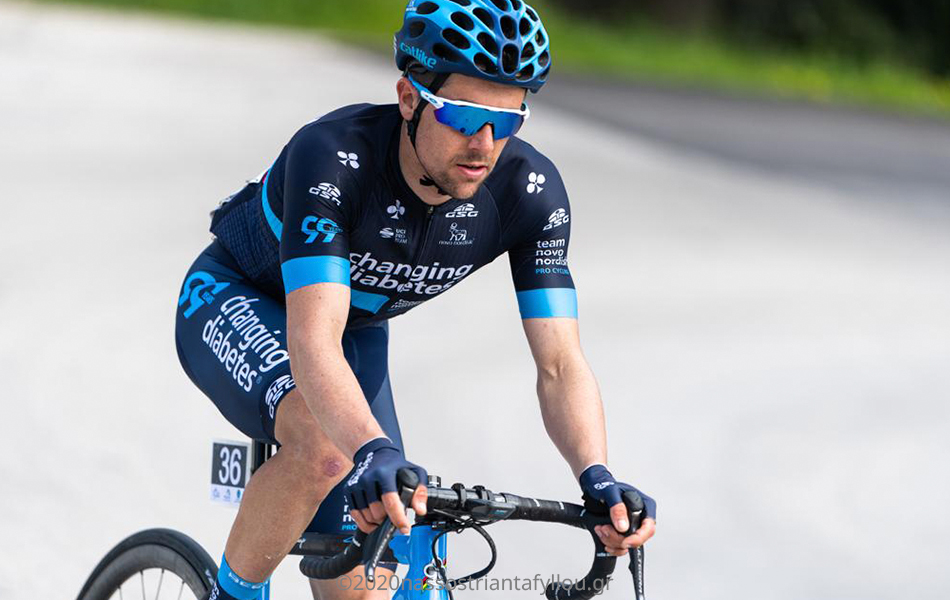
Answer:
(231, 340)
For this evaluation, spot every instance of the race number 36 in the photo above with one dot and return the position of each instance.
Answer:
(229, 467)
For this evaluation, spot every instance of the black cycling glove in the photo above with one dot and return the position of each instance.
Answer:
(374, 472)
(600, 486)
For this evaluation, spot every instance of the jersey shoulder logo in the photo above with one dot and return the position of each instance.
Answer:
(557, 218)
(327, 191)
(314, 226)
(350, 159)
(535, 181)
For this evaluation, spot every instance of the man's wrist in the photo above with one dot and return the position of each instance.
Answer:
(588, 467)
(597, 473)
(377, 442)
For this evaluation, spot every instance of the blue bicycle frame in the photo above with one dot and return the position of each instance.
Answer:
(423, 581)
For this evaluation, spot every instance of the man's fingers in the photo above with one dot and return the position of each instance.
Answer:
(396, 511)
(644, 533)
(640, 537)
(618, 516)
(419, 499)
(608, 535)
(364, 526)
(376, 513)
(612, 539)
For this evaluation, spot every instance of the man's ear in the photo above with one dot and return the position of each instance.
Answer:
(408, 98)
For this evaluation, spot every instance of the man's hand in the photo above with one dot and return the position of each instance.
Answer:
(372, 490)
(600, 486)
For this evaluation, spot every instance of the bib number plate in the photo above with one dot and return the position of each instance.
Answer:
(229, 471)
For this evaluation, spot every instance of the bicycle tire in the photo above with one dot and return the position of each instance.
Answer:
(165, 549)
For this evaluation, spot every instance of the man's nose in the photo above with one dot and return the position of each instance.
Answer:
(483, 140)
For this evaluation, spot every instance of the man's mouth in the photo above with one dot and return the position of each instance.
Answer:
(473, 170)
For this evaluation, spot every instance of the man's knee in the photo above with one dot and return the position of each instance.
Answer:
(304, 443)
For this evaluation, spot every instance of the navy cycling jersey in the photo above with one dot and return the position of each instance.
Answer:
(334, 207)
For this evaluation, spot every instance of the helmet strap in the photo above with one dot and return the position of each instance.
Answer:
(412, 128)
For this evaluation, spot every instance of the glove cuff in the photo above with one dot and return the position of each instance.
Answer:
(372, 446)
(593, 474)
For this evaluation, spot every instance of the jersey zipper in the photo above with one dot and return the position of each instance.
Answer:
(425, 235)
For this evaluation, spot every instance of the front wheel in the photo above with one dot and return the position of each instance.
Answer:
(155, 564)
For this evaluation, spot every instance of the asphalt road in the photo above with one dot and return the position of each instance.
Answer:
(768, 320)
(860, 152)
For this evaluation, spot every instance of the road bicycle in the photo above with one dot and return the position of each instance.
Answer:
(159, 564)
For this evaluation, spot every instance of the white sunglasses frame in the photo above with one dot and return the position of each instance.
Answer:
(438, 102)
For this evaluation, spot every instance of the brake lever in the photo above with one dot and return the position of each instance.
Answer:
(635, 508)
(376, 545)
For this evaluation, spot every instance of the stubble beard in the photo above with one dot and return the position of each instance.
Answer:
(461, 190)
(457, 190)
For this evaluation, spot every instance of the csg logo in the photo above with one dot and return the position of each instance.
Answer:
(276, 391)
(328, 191)
(557, 218)
(314, 226)
(462, 211)
(200, 288)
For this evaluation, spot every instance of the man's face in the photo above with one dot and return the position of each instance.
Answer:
(457, 163)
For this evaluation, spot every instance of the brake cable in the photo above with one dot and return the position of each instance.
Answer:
(460, 526)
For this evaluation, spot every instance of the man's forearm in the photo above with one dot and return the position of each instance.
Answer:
(573, 413)
(333, 395)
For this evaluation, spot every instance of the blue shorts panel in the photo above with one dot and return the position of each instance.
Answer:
(231, 341)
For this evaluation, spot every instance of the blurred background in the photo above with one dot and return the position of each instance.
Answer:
(761, 207)
(868, 52)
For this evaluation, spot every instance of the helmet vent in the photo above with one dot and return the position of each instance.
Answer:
(416, 28)
(528, 51)
(444, 52)
(516, 4)
(525, 73)
(464, 21)
(508, 27)
(539, 39)
(531, 14)
(545, 59)
(427, 8)
(456, 39)
(485, 64)
(488, 42)
(524, 28)
(510, 57)
(485, 17)
(544, 75)
(462, 2)
(502, 5)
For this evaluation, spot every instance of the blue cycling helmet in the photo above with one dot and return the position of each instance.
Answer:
(498, 40)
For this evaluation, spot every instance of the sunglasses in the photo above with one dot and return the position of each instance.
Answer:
(468, 118)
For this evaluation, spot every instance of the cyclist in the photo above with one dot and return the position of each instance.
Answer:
(368, 212)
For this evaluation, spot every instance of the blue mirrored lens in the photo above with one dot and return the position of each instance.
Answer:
(469, 120)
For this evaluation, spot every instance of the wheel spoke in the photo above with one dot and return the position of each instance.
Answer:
(158, 592)
(182, 589)
(142, 579)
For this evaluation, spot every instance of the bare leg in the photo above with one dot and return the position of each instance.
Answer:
(343, 588)
(283, 495)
